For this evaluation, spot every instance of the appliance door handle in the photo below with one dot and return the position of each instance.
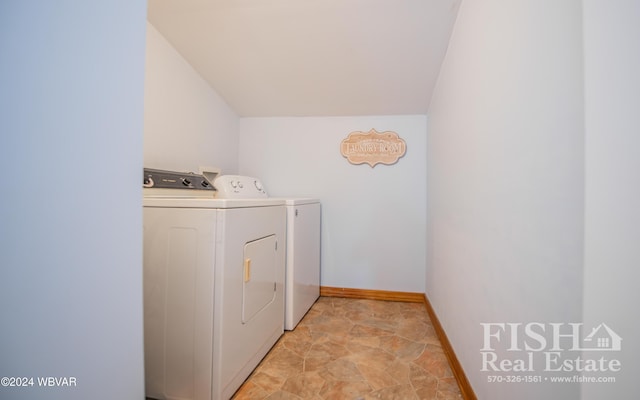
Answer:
(247, 270)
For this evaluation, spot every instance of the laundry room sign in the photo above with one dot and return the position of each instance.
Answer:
(373, 147)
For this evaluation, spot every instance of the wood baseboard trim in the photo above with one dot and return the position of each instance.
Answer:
(410, 297)
(456, 367)
(386, 295)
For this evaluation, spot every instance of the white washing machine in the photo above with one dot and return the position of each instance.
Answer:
(302, 282)
(213, 286)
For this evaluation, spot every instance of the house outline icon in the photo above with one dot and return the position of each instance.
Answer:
(603, 338)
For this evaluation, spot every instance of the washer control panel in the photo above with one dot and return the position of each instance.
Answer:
(155, 178)
(239, 187)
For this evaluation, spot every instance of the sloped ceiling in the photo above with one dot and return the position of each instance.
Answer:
(312, 57)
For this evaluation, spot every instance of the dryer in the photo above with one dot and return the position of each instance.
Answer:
(302, 279)
(213, 286)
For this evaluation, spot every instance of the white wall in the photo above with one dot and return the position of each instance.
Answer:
(612, 213)
(186, 123)
(373, 219)
(71, 120)
(505, 179)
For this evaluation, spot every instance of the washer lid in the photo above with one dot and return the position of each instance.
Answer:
(297, 201)
(185, 202)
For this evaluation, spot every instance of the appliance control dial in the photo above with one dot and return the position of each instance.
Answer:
(239, 187)
(161, 179)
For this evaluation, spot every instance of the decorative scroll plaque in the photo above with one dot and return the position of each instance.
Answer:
(373, 147)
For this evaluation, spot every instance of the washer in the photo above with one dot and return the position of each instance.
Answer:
(302, 282)
(213, 286)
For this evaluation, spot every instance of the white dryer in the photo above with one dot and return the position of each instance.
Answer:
(302, 282)
(213, 286)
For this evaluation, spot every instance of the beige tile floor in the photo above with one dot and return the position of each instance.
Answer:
(355, 349)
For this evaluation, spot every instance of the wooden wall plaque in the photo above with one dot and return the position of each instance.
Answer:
(373, 147)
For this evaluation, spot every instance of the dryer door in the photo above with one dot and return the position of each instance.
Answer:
(260, 276)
